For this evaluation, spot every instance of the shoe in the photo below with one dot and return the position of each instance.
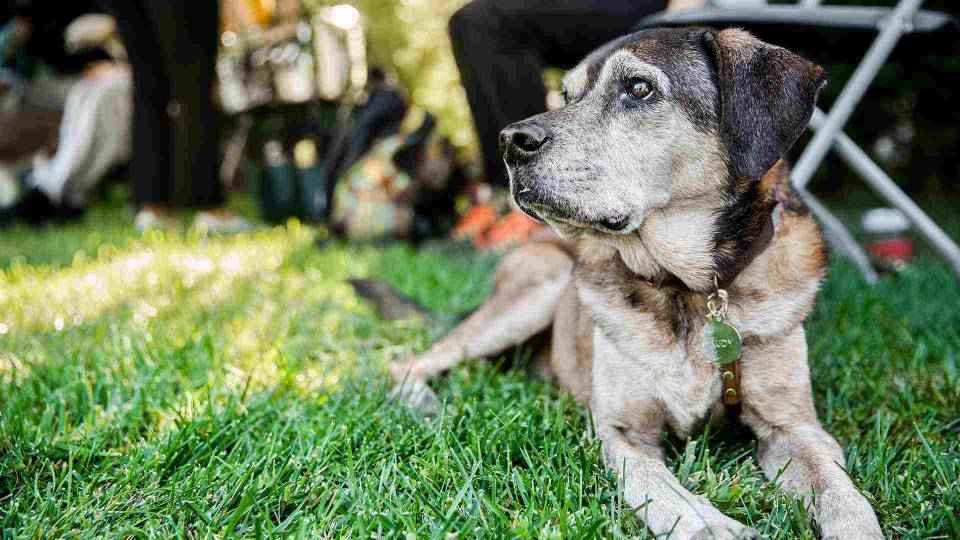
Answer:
(220, 222)
(148, 220)
(36, 208)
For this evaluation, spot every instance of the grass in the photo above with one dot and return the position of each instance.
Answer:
(176, 386)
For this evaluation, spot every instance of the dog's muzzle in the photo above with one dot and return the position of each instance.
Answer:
(540, 207)
(520, 143)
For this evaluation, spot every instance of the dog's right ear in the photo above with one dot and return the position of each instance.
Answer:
(767, 95)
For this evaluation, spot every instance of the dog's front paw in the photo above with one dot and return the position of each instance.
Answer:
(846, 515)
(416, 395)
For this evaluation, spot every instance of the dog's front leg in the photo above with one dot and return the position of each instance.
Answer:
(794, 450)
(808, 462)
(528, 285)
(629, 418)
(667, 508)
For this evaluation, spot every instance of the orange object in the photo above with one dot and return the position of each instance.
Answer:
(513, 229)
(475, 222)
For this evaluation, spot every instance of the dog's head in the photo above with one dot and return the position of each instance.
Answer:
(656, 118)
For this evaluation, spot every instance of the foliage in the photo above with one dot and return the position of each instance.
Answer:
(409, 37)
(179, 386)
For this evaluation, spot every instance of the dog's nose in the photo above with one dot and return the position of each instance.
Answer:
(522, 140)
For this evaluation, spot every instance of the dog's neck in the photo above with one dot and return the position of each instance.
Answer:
(667, 271)
(689, 244)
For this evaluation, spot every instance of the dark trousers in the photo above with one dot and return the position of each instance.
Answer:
(172, 49)
(502, 47)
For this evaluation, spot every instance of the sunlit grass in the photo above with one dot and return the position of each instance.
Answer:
(220, 387)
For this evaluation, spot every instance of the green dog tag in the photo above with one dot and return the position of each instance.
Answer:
(721, 342)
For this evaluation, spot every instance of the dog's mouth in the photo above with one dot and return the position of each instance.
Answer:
(559, 215)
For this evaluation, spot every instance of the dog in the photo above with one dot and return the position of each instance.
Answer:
(678, 272)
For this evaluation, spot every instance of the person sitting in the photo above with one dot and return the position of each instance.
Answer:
(94, 133)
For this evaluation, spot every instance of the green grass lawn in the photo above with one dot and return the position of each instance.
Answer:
(174, 386)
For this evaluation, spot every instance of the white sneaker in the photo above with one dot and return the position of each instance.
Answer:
(220, 223)
(148, 220)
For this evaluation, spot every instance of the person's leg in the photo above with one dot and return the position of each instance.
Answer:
(76, 145)
(172, 50)
(198, 122)
(502, 79)
(189, 32)
(502, 47)
(150, 165)
(100, 141)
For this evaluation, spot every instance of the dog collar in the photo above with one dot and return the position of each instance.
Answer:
(722, 340)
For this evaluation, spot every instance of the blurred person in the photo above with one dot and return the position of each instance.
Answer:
(502, 48)
(94, 135)
(36, 74)
(94, 138)
(172, 47)
(49, 107)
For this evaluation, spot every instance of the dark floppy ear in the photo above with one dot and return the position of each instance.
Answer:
(767, 95)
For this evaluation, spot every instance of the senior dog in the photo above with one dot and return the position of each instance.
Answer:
(681, 271)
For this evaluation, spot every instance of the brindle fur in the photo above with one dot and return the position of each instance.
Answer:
(650, 201)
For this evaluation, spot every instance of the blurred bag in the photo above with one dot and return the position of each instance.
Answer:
(382, 195)
(374, 199)
(312, 181)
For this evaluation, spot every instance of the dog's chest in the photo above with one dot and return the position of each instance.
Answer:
(642, 368)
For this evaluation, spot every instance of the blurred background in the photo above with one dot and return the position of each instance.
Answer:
(916, 97)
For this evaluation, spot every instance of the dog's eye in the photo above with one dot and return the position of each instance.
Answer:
(566, 96)
(639, 88)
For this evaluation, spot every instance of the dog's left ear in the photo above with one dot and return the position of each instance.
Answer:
(767, 95)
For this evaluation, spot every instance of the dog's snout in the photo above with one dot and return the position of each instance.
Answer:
(521, 140)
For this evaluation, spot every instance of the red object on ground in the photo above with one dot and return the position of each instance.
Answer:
(898, 250)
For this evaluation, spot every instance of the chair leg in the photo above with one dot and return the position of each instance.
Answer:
(884, 186)
(839, 237)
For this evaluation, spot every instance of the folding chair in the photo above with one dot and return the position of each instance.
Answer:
(891, 24)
